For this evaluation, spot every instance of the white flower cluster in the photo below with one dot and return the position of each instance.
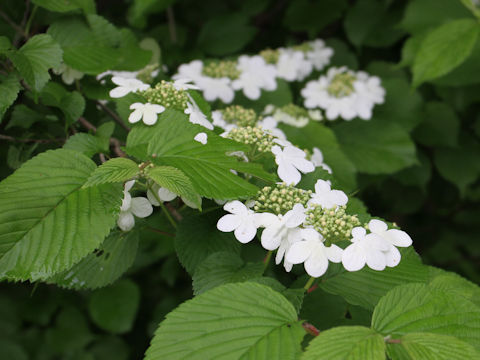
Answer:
(296, 241)
(344, 93)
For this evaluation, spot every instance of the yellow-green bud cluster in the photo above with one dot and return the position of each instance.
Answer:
(341, 85)
(219, 69)
(165, 94)
(334, 225)
(295, 111)
(262, 141)
(304, 47)
(236, 114)
(270, 56)
(145, 74)
(280, 199)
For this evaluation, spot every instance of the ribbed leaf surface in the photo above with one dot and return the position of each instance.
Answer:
(114, 170)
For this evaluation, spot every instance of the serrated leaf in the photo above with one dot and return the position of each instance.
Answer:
(346, 343)
(198, 237)
(35, 58)
(366, 287)
(9, 88)
(114, 308)
(71, 103)
(207, 166)
(421, 308)
(62, 6)
(221, 268)
(58, 223)
(444, 49)
(233, 321)
(295, 296)
(102, 267)
(175, 181)
(114, 170)
(454, 283)
(86, 144)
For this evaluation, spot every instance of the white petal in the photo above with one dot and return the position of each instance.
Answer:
(289, 174)
(339, 197)
(376, 260)
(296, 216)
(316, 265)
(399, 238)
(166, 195)
(334, 253)
(304, 165)
(141, 207)
(270, 239)
(359, 232)
(299, 252)
(265, 219)
(119, 92)
(149, 116)
(125, 221)
(126, 201)
(245, 232)
(229, 222)
(235, 207)
(136, 106)
(152, 198)
(157, 108)
(353, 258)
(322, 186)
(129, 185)
(377, 226)
(135, 116)
(201, 138)
(392, 257)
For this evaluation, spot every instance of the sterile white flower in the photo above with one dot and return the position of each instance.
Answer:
(148, 112)
(126, 86)
(320, 55)
(365, 249)
(326, 197)
(192, 70)
(255, 75)
(241, 220)
(165, 195)
(138, 206)
(269, 124)
(196, 116)
(69, 75)
(201, 138)
(317, 160)
(393, 238)
(292, 65)
(313, 253)
(220, 122)
(184, 84)
(291, 160)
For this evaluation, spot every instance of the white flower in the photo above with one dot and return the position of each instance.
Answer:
(138, 206)
(126, 86)
(216, 88)
(289, 119)
(122, 74)
(291, 160)
(269, 124)
(365, 249)
(393, 238)
(165, 195)
(197, 116)
(201, 138)
(149, 113)
(241, 220)
(292, 65)
(184, 84)
(320, 55)
(326, 197)
(255, 75)
(313, 253)
(282, 231)
(315, 115)
(317, 160)
(69, 75)
(192, 70)
(220, 122)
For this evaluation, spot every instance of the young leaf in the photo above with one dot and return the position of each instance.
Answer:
(421, 308)
(444, 49)
(233, 321)
(175, 181)
(102, 267)
(47, 221)
(346, 342)
(9, 88)
(35, 58)
(114, 170)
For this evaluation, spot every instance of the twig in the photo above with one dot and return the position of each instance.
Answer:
(161, 232)
(172, 30)
(18, 36)
(174, 212)
(102, 157)
(113, 116)
(17, 28)
(38, 141)
(311, 329)
(113, 141)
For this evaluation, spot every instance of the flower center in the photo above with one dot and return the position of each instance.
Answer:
(220, 69)
(280, 199)
(165, 94)
(239, 115)
(270, 56)
(341, 85)
(262, 141)
(304, 47)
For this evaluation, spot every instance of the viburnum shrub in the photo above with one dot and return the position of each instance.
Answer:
(243, 173)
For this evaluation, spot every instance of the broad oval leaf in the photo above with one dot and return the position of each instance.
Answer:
(114, 170)
(47, 222)
(233, 321)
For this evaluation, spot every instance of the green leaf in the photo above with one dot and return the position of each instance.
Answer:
(58, 223)
(198, 237)
(226, 34)
(102, 267)
(427, 346)
(71, 103)
(233, 321)
(170, 142)
(453, 283)
(346, 343)
(5, 44)
(440, 126)
(361, 19)
(88, 6)
(323, 310)
(376, 146)
(9, 88)
(366, 287)
(175, 181)
(444, 49)
(114, 308)
(35, 58)
(421, 308)
(222, 268)
(86, 144)
(24, 117)
(114, 170)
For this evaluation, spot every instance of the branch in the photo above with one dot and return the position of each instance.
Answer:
(174, 212)
(311, 329)
(115, 143)
(113, 116)
(17, 28)
(38, 141)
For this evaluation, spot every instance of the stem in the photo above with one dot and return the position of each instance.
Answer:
(40, 141)
(311, 329)
(266, 261)
(113, 116)
(29, 22)
(160, 232)
(171, 25)
(309, 283)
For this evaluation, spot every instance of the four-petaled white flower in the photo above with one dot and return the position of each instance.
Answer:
(126, 86)
(184, 84)
(201, 138)
(291, 160)
(241, 220)
(255, 75)
(292, 65)
(317, 160)
(148, 112)
(313, 253)
(393, 238)
(326, 197)
(365, 249)
(282, 231)
(69, 75)
(320, 54)
(138, 206)
(196, 116)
